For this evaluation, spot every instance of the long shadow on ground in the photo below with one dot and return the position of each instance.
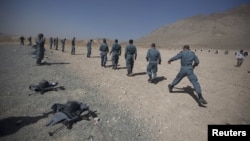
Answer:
(11, 125)
(189, 90)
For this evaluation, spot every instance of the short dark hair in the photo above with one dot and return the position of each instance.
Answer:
(104, 40)
(153, 45)
(186, 47)
(116, 40)
(131, 41)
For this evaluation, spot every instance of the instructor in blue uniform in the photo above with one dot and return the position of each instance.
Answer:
(187, 66)
(154, 58)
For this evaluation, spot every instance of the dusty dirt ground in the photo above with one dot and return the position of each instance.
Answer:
(129, 108)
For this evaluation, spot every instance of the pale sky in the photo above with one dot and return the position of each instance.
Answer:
(111, 19)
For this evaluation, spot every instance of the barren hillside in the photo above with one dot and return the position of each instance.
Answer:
(229, 29)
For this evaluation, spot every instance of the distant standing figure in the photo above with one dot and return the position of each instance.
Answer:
(22, 40)
(40, 48)
(50, 42)
(154, 58)
(56, 43)
(63, 44)
(30, 41)
(104, 50)
(130, 55)
(245, 54)
(240, 58)
(116, 52)
(89, 47)
(187, 58)
(73, 46)
(226, 52)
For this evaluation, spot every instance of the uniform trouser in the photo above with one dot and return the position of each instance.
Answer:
(239, 62)
(39, 56)
(56, 46)
(130, 64)
(115, 59)
(50, 46)
(88, 52)
(191, 76)
(62, 48)
(73, 50)
(103, 58)
(152, 69)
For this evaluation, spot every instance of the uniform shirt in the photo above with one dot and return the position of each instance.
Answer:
(130, 50)
(89, 45)
(187, 57)
(63, 42)
(116, 49)
(73, 42)
(153, 55)
(40, 45)
(104, 47)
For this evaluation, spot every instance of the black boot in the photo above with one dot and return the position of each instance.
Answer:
(170, 88)
(201, 99)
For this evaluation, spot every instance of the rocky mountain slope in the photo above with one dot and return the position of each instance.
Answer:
(229, 29)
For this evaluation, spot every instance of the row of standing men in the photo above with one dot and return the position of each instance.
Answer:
(188, 60)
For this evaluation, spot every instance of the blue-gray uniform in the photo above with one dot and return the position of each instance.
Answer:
(104, 50)
(130, 53)
(187, 58)
(40, 49)
(73, 46)
(56, 43)
(153, 56)
(116, 52)
(89, 48)
(51, 42)
(22, 40)
(30, 41)
(63, 44)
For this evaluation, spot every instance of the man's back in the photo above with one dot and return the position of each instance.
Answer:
(130, 49)
(187, 57)
(104, 47)
(116, 48)
(153, 54)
